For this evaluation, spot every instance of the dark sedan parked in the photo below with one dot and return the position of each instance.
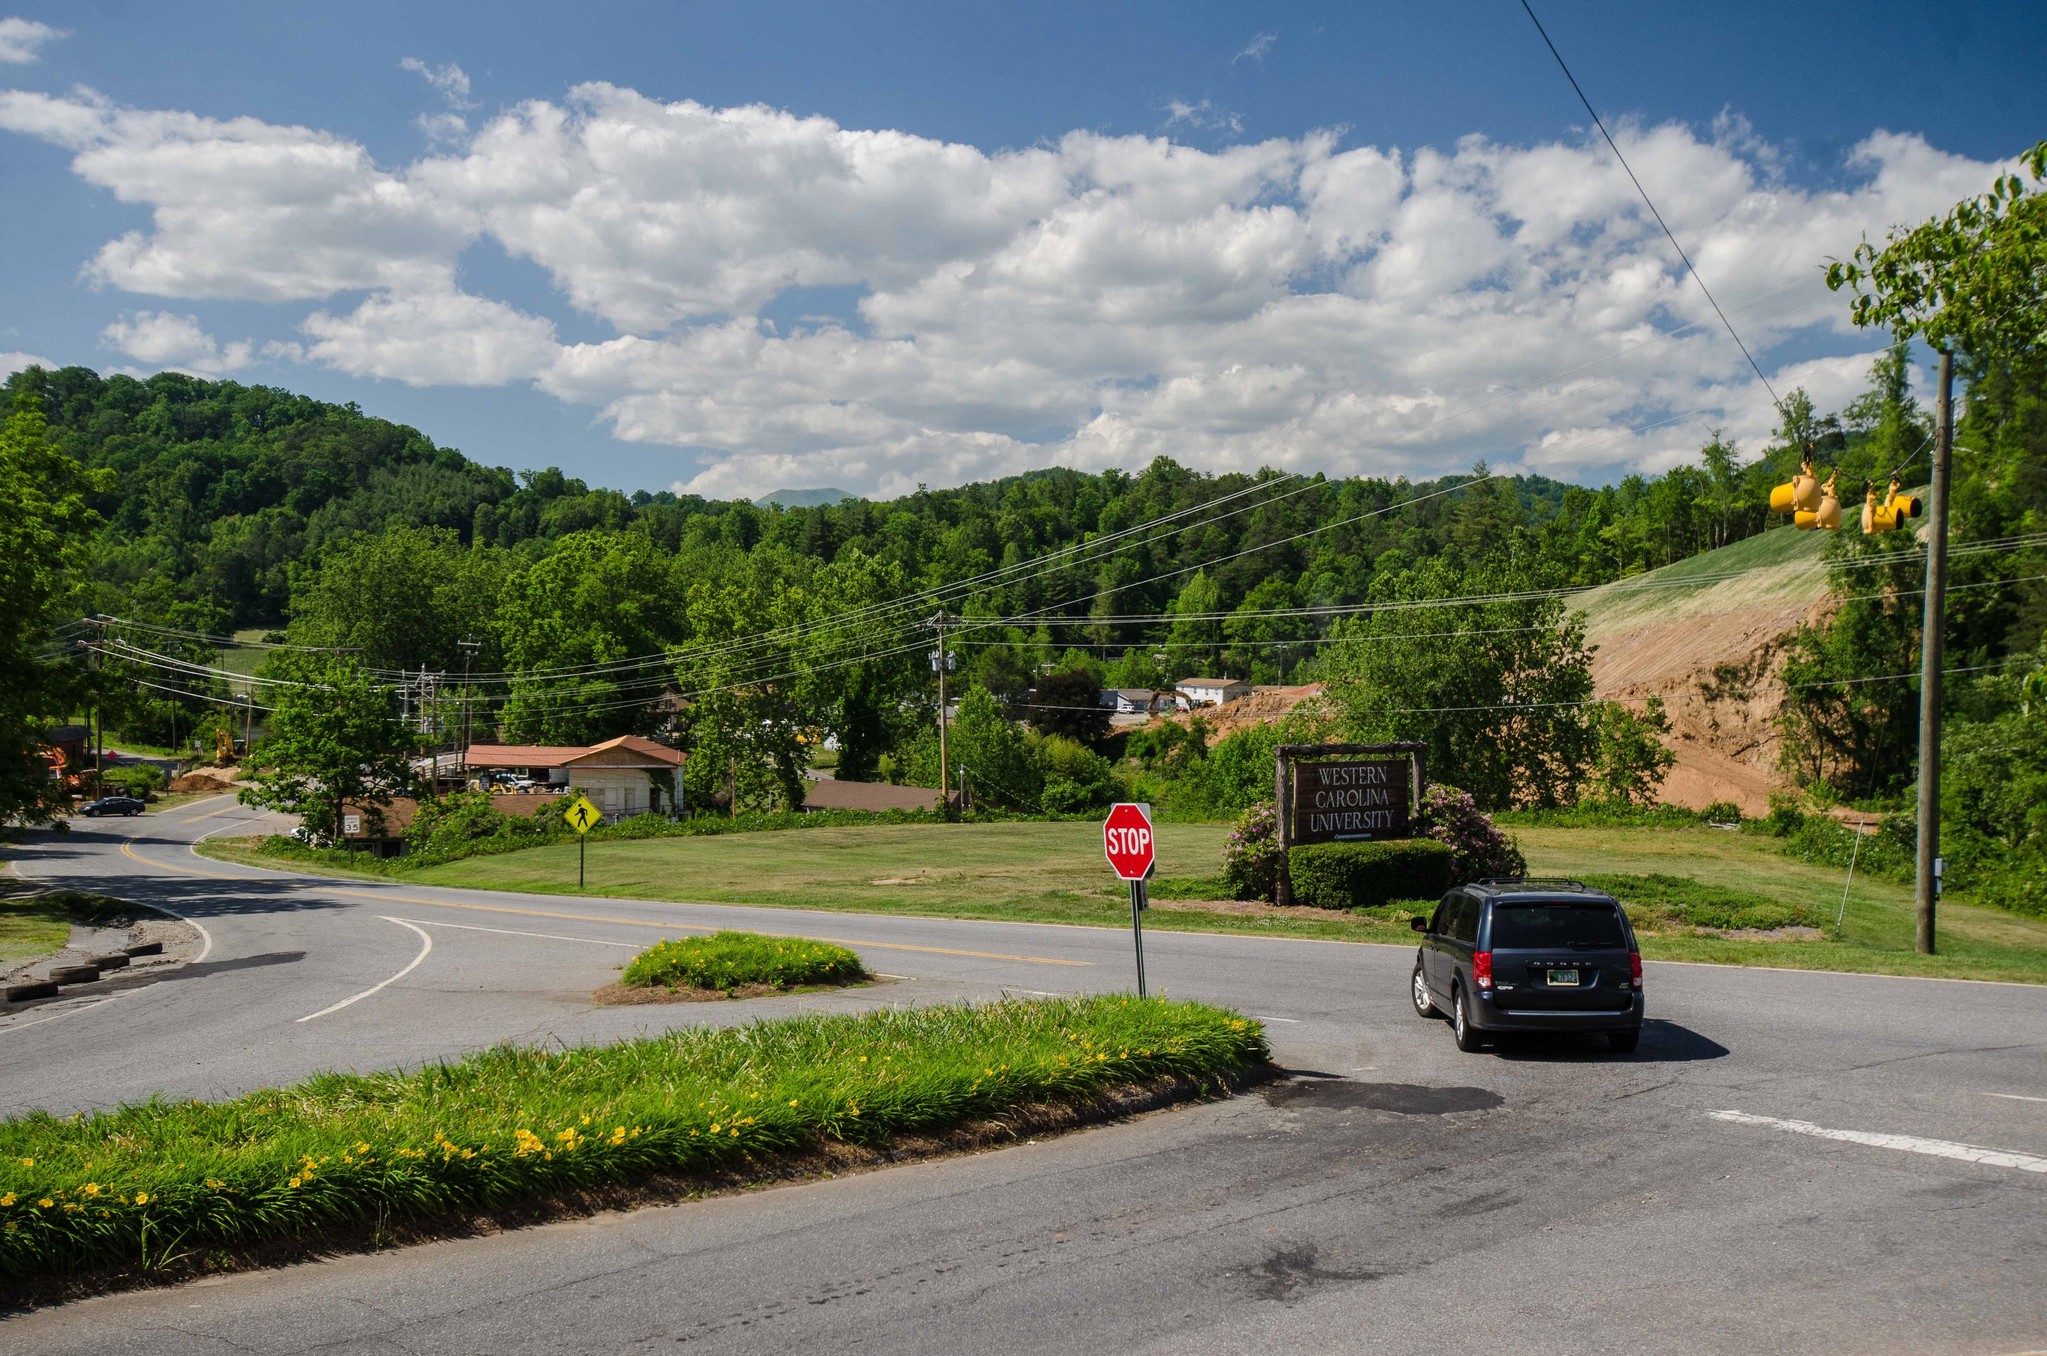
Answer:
(112, 805)
(1530, 955)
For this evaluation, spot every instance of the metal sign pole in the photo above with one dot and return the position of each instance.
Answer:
(1137, 907)
(582, 843)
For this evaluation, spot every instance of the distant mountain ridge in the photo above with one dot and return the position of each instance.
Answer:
(823, 498)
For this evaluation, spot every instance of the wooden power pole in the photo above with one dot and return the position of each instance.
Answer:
(1933, 628)
(938, 662)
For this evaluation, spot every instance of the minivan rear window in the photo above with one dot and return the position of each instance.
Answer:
(1518, 927)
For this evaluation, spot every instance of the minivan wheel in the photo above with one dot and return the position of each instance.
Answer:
(1460, 1023)
(1625, 1041)
(1423, 1004)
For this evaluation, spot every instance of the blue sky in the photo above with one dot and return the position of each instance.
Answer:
(1094, 303)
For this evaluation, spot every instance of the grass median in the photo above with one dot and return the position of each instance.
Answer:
(1054, 873)
(163, 1189)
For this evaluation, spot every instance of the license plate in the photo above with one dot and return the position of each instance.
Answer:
(1563, 977)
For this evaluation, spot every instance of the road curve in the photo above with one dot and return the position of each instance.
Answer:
(1396, 1196)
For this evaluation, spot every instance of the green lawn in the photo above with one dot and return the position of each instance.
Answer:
(1876, 936)
(1054, 873)
(32, 927)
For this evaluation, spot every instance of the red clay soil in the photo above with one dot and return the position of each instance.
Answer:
(1726, 749)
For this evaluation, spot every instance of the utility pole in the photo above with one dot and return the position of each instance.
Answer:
(941, 661)
(1927, 876)
(99, 714)
(468, 648)
(469, 652)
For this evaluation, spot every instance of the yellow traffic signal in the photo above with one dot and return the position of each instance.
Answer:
(1890, 514)
(1824, 514)
(1801, 495)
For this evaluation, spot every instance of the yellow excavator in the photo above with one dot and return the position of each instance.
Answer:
(223, 749)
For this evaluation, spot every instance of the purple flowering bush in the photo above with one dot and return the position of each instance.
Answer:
(1477, 847)
(1251, 853)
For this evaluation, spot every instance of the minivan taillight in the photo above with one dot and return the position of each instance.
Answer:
(1635, 969)
(1482, 968)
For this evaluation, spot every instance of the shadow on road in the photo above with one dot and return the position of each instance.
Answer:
(1662, 1043)
(71, 862)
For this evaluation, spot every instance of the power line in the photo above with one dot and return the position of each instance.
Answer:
(1691, 268)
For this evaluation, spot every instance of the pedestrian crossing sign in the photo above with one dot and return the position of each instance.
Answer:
(582, 815)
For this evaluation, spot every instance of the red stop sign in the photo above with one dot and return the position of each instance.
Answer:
(1127, 841)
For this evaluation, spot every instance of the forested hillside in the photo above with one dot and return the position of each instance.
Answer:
(221, 493)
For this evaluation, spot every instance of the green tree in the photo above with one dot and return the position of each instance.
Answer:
(1493, 689)
(1069, 703)
(584, 633)
(750, 698)
(1972, 283)
(993, 750)
(334, 737)
(44, 517)
(1630, 758)
(401, 600)
(1197, 635)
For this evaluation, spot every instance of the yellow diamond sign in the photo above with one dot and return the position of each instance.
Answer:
(582, 815)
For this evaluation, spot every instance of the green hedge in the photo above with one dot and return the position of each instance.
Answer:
(1351, 875)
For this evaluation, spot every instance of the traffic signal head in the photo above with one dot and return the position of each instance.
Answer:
(1891, 514)
(1800, 495)
(1826, 513)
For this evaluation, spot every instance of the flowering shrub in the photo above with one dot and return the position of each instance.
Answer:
(1477, 847)
(726, 960)
(1251, 856)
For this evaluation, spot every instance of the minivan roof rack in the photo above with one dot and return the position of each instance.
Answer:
(1538, 882)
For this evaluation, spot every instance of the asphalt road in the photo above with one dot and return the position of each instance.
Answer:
(1786, 1164)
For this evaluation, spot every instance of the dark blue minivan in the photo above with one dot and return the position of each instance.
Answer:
(1529, 955)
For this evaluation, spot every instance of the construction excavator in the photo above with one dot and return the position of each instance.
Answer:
(224, 749)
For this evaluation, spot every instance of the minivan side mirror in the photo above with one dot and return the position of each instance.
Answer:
(1418, 924)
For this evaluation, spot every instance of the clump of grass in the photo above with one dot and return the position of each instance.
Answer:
(727, 961)
(36, 925)
(147, 1185)
(1659, 900)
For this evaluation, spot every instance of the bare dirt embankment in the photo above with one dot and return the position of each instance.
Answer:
(1705, 635)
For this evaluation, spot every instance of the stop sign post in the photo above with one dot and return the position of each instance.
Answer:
(1132, 850)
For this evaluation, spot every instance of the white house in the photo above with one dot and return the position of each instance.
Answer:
(1211, 691)
(622, 777)
(1127, 701)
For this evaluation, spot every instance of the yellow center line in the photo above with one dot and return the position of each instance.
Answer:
(698, 927)
(128, 851)
(231, 805)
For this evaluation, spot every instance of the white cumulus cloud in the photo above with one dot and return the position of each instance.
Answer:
(1097, 300)
(10, 363)
(22, 40)
(433, 339)
(163, 340)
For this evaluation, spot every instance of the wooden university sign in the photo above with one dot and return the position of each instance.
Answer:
(1331, 793)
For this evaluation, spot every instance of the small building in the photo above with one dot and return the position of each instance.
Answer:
(623, 777)
(1127, 701)
(1211, 691)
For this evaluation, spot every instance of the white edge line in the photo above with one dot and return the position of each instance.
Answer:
(509, 932)
(1936, 1148)
(198, 927)
(1177, 934)
(2012, 1097)
(1260, 1017)
(356, 998)
(73, 1012)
